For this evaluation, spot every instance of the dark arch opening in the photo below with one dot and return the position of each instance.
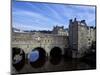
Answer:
(55, 55)
(41, 59)
(18, 58)
(55, 52)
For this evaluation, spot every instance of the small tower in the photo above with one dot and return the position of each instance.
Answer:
(73, 34)
(78, 37)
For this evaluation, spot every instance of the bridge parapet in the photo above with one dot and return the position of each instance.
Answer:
(29, 41)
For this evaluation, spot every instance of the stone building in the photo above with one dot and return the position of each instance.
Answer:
(31, 40)
(60, 30)
(81, 37)
(76, 40)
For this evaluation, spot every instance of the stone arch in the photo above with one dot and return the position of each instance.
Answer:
(41, 59)
(18, 58)
(55, 52)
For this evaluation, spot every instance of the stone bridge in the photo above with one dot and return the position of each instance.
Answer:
(48, 42)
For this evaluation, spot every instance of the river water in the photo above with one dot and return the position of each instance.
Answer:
(56, 64)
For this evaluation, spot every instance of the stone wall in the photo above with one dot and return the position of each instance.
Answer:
(29, 41)
(81, 37)
(78, 40)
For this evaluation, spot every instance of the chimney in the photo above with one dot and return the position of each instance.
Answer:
(83, 21)
(75, 20)
(70, 21)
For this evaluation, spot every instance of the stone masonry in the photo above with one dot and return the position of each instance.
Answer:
(78, 38)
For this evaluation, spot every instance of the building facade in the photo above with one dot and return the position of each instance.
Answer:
(78, 38)
(81, 37)
(29, 41)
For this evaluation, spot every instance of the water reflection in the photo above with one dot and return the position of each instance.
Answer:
(37, 57)
(56, 64)
(55, 60)
(18, 58)
(90, 59)
(41, 63)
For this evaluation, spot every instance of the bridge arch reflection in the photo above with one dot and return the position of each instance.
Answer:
(37, 57)
(18, 58)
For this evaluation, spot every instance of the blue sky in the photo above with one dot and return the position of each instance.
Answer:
(43, 16)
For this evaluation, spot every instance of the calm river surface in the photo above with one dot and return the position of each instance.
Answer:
(57, 64)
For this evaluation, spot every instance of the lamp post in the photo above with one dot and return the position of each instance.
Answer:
(39, 40)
